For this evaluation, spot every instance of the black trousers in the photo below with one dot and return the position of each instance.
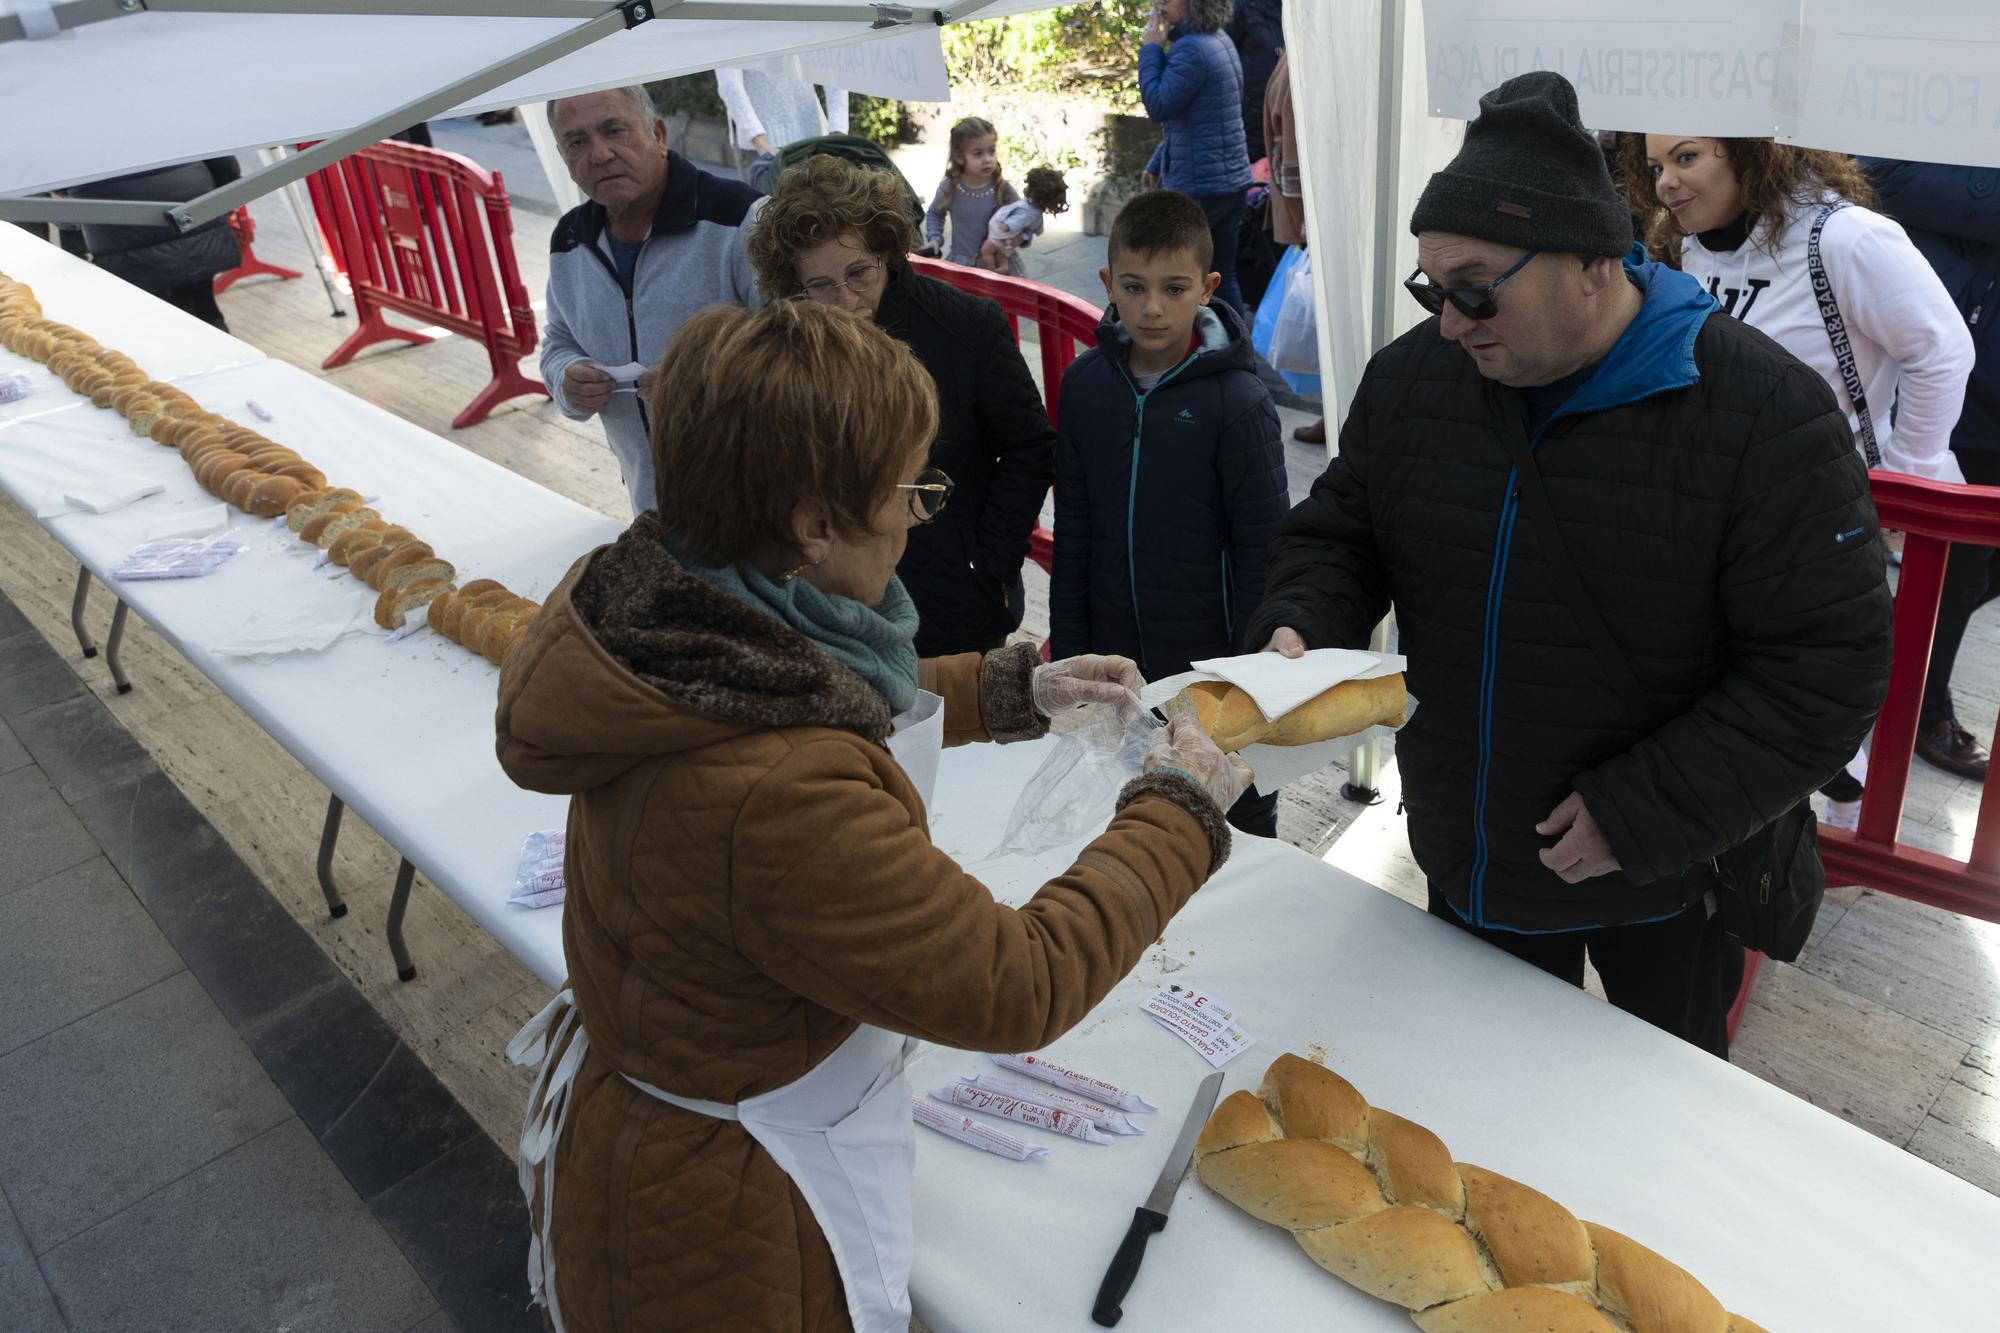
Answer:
(1254, 812)
(1971, 580)
(1680, 975)
(1225, 222)
(198, 299)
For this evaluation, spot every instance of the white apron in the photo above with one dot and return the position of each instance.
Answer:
(842, 1132)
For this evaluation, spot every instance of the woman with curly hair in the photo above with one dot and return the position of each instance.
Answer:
(841, 234)
(1746, 217)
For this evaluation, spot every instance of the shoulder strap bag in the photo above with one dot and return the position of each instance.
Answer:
(1836, 333)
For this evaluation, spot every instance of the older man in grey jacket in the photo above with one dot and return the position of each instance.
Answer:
(657, 239)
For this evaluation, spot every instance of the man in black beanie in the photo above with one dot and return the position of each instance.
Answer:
(1634, 564)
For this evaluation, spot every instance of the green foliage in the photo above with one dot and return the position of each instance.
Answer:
(692, 93)
(876, 118)
(1089, 48)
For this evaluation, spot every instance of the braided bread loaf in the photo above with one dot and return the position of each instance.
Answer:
(1377, 1201)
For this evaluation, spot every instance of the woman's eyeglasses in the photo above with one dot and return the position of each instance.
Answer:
(928, 493)
(1472, 302)
(858, 279)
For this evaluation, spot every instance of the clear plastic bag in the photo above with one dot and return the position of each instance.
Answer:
(1074, 792)
(176, 558)
(1295, 340)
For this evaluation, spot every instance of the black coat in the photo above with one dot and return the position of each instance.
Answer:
(1953, 216)
(1708, 493)
(159, 259)
(1165, 503)
(963, 570)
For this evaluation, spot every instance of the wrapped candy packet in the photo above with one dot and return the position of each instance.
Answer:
(539, 880)
(1022, 1112)
(1056, 1099)
(1042, 1070)
(958, 1125)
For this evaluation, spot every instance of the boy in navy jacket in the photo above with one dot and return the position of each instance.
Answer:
(1170, 476)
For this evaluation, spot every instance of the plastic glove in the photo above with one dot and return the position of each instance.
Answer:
(1185, 748)
(1057, 687)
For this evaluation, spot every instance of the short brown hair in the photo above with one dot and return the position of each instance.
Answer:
(1770, 174)
(757, 412)
(822, 199)
(1162, 222)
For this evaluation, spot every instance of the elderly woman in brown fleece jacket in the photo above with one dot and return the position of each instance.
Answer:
(758, 925)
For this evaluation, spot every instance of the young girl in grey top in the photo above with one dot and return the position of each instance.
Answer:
(971, 191)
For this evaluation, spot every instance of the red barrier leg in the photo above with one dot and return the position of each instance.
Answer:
(507, 382)
(252, 267)
(1753, 962)
(372, 329)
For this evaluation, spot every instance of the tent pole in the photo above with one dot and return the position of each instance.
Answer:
(309, 231)
(1364, 766)
(535, 119)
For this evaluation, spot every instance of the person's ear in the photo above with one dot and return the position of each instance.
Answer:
(660, 133)
(812, 531)
(1104, 276)
(1599, 273)
(1208, 286)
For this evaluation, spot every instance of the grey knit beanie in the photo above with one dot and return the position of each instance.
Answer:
(1529, 175)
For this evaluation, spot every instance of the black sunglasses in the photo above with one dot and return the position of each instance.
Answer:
(1472, 302)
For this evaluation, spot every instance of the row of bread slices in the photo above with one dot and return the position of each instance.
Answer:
(408, 575)
(263, 478)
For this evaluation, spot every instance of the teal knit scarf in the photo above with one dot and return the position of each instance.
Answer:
(877, 643)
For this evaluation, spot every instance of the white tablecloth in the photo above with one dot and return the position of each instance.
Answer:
(1793, 1217)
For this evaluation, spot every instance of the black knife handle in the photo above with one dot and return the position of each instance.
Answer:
(1125, 1266)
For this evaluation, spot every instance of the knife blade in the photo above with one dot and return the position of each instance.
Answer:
(1150, 1217)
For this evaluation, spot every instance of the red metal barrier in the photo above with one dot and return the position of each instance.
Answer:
(430, 234)
(1061, 323)
(246, 232)
(1932, 515)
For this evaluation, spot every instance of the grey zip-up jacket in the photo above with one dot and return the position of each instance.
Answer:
(695, 257)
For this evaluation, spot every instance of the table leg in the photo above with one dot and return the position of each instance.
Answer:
(399, 902)
(76, 612)
(111, 647)
(336, 907)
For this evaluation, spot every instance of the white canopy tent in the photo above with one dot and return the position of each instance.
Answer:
(1382, 88)
(114, 86)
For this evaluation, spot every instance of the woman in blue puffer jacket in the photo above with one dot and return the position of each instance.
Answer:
(1195, 92)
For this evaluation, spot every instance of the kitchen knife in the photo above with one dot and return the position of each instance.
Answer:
(1151, 1216)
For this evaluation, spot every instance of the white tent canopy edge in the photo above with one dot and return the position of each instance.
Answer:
(259, 89)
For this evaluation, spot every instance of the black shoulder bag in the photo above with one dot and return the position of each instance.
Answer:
(1769, 886)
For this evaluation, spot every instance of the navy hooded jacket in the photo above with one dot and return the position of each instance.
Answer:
(1165, 500)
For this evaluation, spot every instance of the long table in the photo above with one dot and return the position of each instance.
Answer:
(1791, 1216)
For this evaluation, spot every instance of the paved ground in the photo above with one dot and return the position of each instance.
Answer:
(203, 1125)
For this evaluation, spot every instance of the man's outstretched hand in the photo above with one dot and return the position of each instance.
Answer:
(1286, 640)
(1581, 851)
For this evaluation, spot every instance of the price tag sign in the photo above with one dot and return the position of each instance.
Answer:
(1200, 1019)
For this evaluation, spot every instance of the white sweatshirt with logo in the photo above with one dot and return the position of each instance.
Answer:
(1909, 342)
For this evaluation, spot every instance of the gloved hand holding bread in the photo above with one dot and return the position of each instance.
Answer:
(1233, 719)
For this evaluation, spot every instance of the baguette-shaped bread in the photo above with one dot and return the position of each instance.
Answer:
(1375, 1200)
(271, 496)
(430, 567)
(395, 604)
(355, 540)
(435, 613)
(403, 556)
(322, 530)
(363, 562)
(1233, 720)
(513, 641)
(465, 604)
(499, 630)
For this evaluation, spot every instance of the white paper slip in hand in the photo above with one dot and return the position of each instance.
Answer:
(627, 376)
